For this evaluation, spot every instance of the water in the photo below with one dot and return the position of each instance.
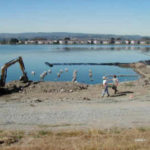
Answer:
(35, 56)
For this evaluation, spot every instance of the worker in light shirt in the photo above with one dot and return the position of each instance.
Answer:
(105, 87)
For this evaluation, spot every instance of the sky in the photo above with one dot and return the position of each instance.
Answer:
(123, 17)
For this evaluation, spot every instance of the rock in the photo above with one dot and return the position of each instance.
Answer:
(86, 98)
(66, 69)
(62, 90)
(146, 82)
(74, 78)
(33, 73)
(90, 74)
(58, 75)
(70, 91)
(36, 100)
(49, 71)
(42, 76)
(2, 141)
(61, 71)
(32, 105)
(83, 86)
(45, 91)
(36, 82)
(8, 140)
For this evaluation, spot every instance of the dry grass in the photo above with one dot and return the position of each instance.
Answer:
(113, 139)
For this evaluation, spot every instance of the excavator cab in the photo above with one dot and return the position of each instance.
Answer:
(4, 68)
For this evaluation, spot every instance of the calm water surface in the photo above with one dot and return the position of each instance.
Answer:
(35, 56)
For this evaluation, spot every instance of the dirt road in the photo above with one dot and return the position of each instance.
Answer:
(102, 113)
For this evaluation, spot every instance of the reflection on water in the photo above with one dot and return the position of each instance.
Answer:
(35, 57)
(103, 47)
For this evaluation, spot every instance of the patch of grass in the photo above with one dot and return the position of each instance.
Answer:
(1, 131)
(43, 133)
(144, 129)
(69, 133)
(111, 139)
(9, 138)
(115, 130)
(58, 125)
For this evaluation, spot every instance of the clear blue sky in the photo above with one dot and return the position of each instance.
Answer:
(85, 16)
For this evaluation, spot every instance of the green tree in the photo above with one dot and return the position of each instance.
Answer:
(112, 41)
(3, 41)
(13, 41)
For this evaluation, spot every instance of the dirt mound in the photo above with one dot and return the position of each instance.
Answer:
(44, 87)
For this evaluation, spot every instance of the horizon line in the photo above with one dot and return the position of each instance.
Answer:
(78, 33)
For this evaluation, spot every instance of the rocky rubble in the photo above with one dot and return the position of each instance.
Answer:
(43, 87)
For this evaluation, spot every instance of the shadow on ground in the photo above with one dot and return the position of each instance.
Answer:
(122, 93)
(13, 88)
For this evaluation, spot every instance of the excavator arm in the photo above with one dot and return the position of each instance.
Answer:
(8, 64)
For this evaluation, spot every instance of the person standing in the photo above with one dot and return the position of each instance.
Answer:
(105, 87)
(115, 84)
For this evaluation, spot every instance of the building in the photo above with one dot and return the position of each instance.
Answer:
(127, 42)
(133, 42)
(96, 42)
(105, 42)
(30, 42)
(142, 42)
(61, 42)
(118, 42)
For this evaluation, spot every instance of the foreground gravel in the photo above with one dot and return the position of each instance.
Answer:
(18, 115)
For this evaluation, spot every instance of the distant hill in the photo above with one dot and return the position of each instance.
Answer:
(62, 35)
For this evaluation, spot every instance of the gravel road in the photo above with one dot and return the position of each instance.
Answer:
(19, 115)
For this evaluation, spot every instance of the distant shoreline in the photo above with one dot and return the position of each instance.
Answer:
(85, 44)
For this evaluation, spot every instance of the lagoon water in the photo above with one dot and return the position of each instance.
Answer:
(35, 56)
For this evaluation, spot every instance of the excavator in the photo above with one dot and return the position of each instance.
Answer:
(4, 68)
